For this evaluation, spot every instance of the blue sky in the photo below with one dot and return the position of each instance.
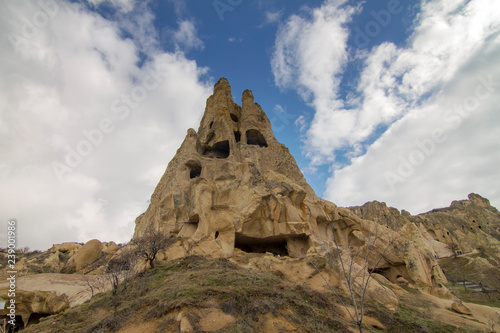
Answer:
(395, 101)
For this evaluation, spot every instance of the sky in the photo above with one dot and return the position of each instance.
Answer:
(394, 101)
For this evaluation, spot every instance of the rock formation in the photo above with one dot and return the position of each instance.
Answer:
(232, 185)
(470, 228)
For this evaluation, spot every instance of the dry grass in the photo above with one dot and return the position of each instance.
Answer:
(199, 282)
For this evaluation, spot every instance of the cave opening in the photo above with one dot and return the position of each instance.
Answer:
(234, 117)
(282, 245)
(254, 137)
(218, 150)
(18, 325)
(35, 318)
(237, 136)
(194, 169)
(189, 228)
(275, 244)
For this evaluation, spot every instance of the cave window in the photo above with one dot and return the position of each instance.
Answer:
(211, 124)
(219, 150)
(254, 137)
(473, 221)
(234, 118)
(237, 136)
(479, 227)
(194, 169)
(448, 233)
(19, 325)
(216, 234)
(190, 227)
(35, 318)
(274, 245)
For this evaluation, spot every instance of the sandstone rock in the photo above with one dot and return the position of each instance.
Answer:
(459, 307)
(184, 324)
(465, 228)
(213, 320)
(32, 305)
(231, 185)
(69, 248)
(402, 280)
(271, 324)
(85, 256)
(110, 248)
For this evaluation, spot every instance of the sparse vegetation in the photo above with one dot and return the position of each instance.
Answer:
(353, 264)
(150, 243)
(158, 294)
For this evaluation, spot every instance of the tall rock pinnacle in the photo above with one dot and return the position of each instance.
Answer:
(232, 185)
(233, 182)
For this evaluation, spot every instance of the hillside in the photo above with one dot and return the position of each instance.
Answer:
(199, 294)
(235, 240)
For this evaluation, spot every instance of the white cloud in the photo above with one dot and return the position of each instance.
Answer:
(272, 17)
(187, 37)
(235, 39)
(301, 123)
(436, 154)
(406, 89)
(310, 53)
(393, 80)
(453, 54)
(123, 5)
(59, 82)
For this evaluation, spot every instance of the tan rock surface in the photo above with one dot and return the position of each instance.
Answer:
(466, 227)
(74, 286)
(232, 185)
(459, 307)
(85, 256)
(35, 302)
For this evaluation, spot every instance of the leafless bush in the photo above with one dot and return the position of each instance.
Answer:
(354, 264)
(149, 244)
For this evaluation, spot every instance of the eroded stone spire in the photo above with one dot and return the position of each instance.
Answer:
(232, 185)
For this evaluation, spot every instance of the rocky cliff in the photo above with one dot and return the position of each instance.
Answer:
(232, 185)
(469, 229)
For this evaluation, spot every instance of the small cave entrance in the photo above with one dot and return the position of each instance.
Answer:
(189, 228)
(275, 244)
(254, 137)
(234, 117)
(218, 150)
(380, 270)
(283, 245)
(35, 318)
(194, 168)
(19, 324)
(237, 136)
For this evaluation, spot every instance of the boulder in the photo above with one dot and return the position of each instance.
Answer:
(459, 307)
(84, 257)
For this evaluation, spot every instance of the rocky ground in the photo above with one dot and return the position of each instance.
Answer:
(198, 294)
(250, 292)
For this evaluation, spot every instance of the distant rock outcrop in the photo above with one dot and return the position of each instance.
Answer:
(465, 228)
